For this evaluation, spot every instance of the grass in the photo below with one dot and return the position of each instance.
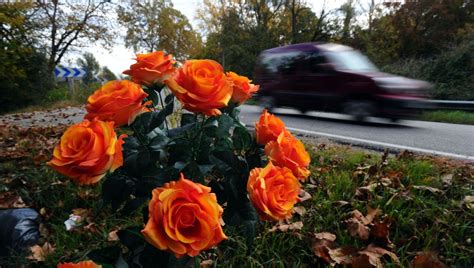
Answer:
(59, 97)
(421, 220)
(455, 117)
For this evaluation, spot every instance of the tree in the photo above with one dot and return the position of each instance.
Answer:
(23, 67)
(301, 21)
(67, 25)
(91, 65)
(348, 12)
(106, 74)
(155, 24)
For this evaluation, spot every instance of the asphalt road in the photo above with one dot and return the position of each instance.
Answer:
(452, 140)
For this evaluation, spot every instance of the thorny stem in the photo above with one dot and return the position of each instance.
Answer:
(163, 107)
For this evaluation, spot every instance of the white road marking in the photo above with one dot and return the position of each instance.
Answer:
(384, 144)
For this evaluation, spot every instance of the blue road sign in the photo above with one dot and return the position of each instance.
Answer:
(67, 72)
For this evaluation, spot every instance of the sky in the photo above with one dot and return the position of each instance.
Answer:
(120, 58)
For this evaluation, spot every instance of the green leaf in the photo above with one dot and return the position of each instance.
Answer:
(155, 87)
(175, 132)
(169, 99)
(225, 123)
(241, 213)
(153, 96)
(117, 188)
(179, 150)
(136, 160)
(211, 127)
(147, 122)
(223, 160)
(131, 237)
(187, 118)
(184, 261)
(205, 169)
(241, 138)
(192, 172)
(107, 255)
(133, 205)
(158, 142)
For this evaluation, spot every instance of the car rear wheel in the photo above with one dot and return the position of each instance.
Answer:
(359, 109)
(267, 103)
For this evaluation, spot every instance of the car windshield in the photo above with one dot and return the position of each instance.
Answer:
(351, 60)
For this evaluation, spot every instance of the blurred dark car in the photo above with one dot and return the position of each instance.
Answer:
(334, 78)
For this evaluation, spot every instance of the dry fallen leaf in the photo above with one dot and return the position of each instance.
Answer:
(447, 179)
(11, 200)
(357, 229)
(381, 230)
(284, 227)
(300, 210)
(39, 253)
(325, 236)
(428, 188)
(322, 244)
(342, 255)
(427, 260)
(113, 236)
(372, 213)
(303, 195)
(356, 225)
(375, 254)
(206, 263)
(469, 201)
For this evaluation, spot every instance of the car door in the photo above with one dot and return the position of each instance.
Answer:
(314, 82)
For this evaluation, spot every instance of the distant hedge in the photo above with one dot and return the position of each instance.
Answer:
(24, 79)
(451, 72)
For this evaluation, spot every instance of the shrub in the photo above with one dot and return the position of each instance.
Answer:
(451, 72)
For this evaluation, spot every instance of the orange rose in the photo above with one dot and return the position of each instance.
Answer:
(119, 101)
(242, 89)
(88, 150)
(184, 218)
(82, 264)
(288, 151)
(151, 68)
(273, 191)
(268, 128)
(201, 86)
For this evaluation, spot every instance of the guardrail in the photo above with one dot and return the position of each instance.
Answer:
(452, 105)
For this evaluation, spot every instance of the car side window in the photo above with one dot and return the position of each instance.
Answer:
(315, 61)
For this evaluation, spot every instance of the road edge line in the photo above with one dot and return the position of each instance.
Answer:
(383, 144)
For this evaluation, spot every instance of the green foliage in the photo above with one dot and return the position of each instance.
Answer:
(89, 63)
(217, 151)
(23, 68)
(24, 77)
(153, 25)
(451, 71)
(455, 117)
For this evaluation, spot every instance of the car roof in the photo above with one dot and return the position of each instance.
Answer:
(307, 47)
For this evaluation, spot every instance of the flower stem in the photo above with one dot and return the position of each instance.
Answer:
(163, 107)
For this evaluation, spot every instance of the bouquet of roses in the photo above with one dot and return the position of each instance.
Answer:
(207, 171)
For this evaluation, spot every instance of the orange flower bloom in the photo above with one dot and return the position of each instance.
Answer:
(201, 86)
(268, 128)
(273, 191)
(243, 89)
(288, 151)
(82, 264)
(88, 150)
(184, 218)
(151, 68)
(119, 101)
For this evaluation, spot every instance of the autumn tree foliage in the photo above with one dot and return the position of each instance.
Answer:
(152, 25)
